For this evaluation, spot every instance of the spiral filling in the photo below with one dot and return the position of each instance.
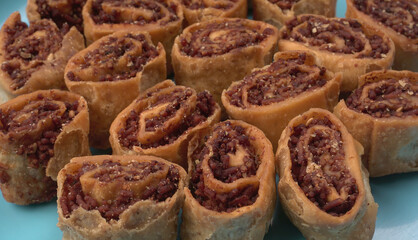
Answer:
(137, 12)
(35, 128)
(318, 166)
(200, 4)
(126, 185)
(222, 37)
(400, 15)
(116, 59)
(26, 49)
(232, 157)
(283, 79)
(284, 4)
(386, 98)
(336, 35)
(205, 107)
(62, 12)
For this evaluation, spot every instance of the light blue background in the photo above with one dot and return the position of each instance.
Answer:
(396, 195)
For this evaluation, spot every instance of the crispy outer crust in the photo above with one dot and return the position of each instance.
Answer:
(28, 185)
(238, 10)
(175, 152)
(107, 99)
(266, 11)
(216, 73)
(390, 144)
(249, 222)
(358, 223)
(32, 11)
(406, 53)
(272, 119)
(51, 74)
(143, 220)
(350, 67)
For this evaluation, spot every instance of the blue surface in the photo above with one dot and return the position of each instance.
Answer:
(396, 195)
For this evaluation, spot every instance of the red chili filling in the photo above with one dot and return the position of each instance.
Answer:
(400, 15)
(62, 14)
(154, 12)
(27, 47)
(205, 107)
(327, 170)
(268, 86)
(73, 196)
(200, 4)
(228, 138)
(391, 98)
(284, 4)
(237, 35)
(39, 147)
(109, 53)
(320, 32)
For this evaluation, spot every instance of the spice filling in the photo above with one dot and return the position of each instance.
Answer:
(233, 157)
(222, 37)
(284, 4)
(400, 15)
(201, 4)
(283, 79)
(26, 49)
(35, 128)
(336, 35)
(116, 59)
(318, 166)
(175, 100)
(137, 12)
(128, 184)
(62, 12)
(386, 98)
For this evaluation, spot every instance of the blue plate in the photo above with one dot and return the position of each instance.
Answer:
(396, 195)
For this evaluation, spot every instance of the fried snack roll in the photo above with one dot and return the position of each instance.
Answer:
(161, 121)
(231, 192)
(162, 19)
(120, 197)
(213, 54)
(111, 73)
(39, 133)
(398, 19)
(324, 188)
(278, 12)
(34, 57)
(382, 114)
(203, 10)
(271, 96)
(64, 13)
(341, 44)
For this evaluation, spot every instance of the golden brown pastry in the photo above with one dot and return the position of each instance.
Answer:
(323, 187)
(278, 12)
(203, 10)
(341, 44)
(39, 133)
(64, 13)
(120, 197)
(398, 19)
(382, 114)
(34, 57)
(213, 54)
(271, 96)
(162, 19)
(111, 73)
(231, 192)
(161, 121)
